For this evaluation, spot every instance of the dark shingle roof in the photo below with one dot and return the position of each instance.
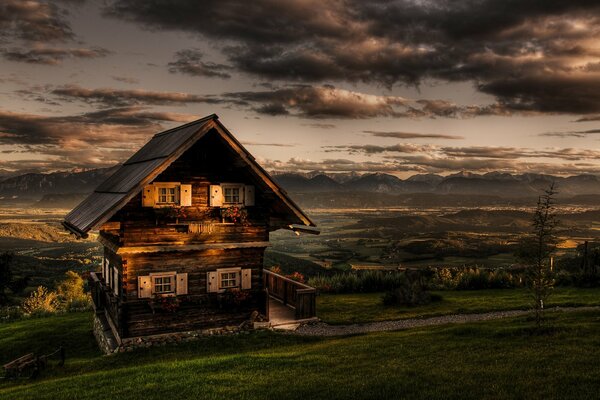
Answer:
(145, 165)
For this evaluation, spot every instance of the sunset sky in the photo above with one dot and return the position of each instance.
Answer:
(402, 87)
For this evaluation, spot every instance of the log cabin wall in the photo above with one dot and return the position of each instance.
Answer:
(196, 264)
(198, 309)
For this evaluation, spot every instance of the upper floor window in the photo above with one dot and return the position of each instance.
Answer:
(167, 195)
(233, 194)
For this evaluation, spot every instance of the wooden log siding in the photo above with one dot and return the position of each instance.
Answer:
(292, 293)
(196, 264)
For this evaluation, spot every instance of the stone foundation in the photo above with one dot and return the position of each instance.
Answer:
(109, 345)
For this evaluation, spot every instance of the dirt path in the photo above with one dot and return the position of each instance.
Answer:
(324, 329)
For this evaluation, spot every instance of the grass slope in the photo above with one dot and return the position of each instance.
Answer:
(367, 307)
(496, 359)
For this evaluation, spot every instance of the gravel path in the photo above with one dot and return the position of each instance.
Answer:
(324, 329)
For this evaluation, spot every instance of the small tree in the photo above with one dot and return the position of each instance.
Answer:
(71, 292)
(538, 251)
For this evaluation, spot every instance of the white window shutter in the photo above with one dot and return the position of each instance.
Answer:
(182, 283)
(185, 195)
(212, 282)
(246, 278)
(148, 196)
(144, 287)
(215, 196)
(249, 195)
(116, 281)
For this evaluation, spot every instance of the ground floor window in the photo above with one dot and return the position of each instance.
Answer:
(229, 280)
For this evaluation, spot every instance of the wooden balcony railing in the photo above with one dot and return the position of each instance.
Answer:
(292, 293)
(96, 290)
(105, 301)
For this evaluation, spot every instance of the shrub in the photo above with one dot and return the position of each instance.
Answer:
(475, 278)
(357, 282)
(409, 293)
(71, 293)
(40, 302)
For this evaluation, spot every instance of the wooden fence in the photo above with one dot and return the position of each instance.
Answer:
(292, 293)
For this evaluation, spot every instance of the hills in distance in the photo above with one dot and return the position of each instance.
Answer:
(71, 187)
(464, 183)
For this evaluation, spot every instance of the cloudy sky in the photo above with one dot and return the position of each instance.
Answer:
(403, 87)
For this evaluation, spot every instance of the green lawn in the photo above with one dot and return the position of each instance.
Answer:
(495, 359)
(367, 307)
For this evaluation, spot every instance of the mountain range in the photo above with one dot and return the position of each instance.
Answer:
(37, 187)
(464, 183)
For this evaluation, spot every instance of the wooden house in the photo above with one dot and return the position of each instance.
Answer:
(184, 224)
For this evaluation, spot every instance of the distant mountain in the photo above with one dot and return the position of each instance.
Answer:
(62, 189)
(378, 182)
(34, 186)
(431, 179)
(499, 184)
(300, 183)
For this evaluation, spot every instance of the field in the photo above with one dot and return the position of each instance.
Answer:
(368, 307)
(386, 238)
(416, 237)
(497, 359)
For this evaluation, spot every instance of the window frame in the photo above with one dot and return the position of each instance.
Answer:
(158, 186)
(238, 278)
(231, 186)
(162, 275)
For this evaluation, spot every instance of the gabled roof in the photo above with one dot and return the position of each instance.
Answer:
(151, 160)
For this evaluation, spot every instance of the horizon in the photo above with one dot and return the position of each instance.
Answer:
(400, 87)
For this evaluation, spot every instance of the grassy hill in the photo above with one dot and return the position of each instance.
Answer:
(496, 359)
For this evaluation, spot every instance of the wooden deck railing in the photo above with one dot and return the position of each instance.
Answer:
(96, 291)
(105, 301)
(292, 293)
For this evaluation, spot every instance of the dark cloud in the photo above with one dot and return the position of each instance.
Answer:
(412, 135)
(51, 56)
(320, 125)
(426, 163)
(590, 118)
(94, 139)
(571, 134)
(190, 62)
(33, 21)
(121, 97)
(318, 102)
(472, 152)
(334, 165)
(533, 56)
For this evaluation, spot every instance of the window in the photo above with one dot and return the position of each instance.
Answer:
(167, 195)
(163, 284)
(228, 280)
(233, 194)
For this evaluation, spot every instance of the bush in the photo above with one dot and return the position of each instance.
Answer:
(358, 282)
(41, 302)
(475, 278)
(409, 293)
(71, 293)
